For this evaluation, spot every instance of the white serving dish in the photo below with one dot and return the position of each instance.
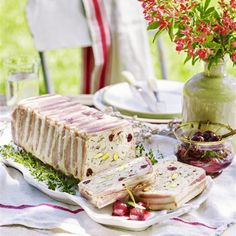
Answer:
(103, 216)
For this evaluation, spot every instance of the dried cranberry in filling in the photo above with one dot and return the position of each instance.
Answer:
(111, 136)
(144, 166)
(129, 137)
(121, 178)
(171, 168)
(89, 172)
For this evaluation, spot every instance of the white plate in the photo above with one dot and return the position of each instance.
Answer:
(103, 216)
(166, 146)
(123, 98)
(101, 105)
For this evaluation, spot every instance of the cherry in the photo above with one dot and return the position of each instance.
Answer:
(198, 133)
(214, 139)
(208, 134)
(197, 138)
(138, 214)
(120, 209)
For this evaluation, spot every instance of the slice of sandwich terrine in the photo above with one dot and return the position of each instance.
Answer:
(110, 185)
(176, 183)
(73, 138)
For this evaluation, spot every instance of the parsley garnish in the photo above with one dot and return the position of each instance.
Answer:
(40, 171)
(140, 151)
(151, 156)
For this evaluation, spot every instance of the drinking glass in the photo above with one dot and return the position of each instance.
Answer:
(21, 78)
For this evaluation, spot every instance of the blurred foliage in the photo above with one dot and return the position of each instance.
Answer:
(64, 64)
(176, 69)
(15, 38)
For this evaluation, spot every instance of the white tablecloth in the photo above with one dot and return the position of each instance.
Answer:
(22, 206)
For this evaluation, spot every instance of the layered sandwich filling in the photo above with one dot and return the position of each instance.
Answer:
(110, 185)
(176, 183)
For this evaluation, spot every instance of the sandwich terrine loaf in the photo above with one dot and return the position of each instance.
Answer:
(176, 183)
(110, 185)
(73, 138)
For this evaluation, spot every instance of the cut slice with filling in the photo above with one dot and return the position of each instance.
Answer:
(176, 183)
(110, 185)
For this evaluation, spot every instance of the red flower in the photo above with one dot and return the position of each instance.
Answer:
(179, 47)
(203, 53)
(202, 32)
(233, 57)
(233, 3)
(191, 51)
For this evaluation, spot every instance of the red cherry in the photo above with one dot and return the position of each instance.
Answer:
(120, 209)
(146, 214)
(198, 133)
(214, 139)
(197, 138)
(138, 214)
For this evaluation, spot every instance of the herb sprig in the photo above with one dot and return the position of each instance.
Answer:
(140, 151)
(42, 172)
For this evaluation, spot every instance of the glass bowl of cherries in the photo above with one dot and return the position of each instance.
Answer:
(206, 145)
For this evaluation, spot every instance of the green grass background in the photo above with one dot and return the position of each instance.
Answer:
(64, 64)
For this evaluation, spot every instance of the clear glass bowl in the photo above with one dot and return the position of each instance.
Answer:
(212, 156)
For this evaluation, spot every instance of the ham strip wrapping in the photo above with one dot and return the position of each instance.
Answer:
(73, 138)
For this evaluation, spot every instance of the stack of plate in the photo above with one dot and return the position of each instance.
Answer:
(122, 98)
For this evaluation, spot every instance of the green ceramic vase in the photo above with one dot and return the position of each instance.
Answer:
(210, 95)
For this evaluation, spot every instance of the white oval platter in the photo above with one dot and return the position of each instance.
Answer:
(103, 216)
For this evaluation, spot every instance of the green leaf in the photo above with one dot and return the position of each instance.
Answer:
(140, 151)
(207, 2)
(171, 29)
(157, 34)
(188, 57)
(216, 15)
(216, 45)
(209, 10)
(152, 26)
(194, 60)
(200, 8)
(54, 179)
